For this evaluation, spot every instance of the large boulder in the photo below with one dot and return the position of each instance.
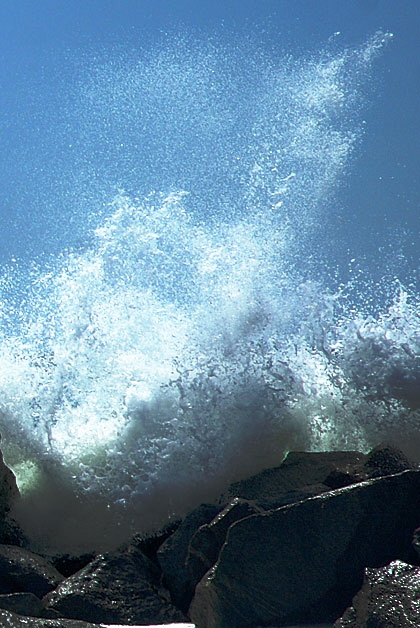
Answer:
(301, 475)
(119, 587)
(206, 543)
(305, 561)
(305, 474)
(24, 571)
(389, 598)
(173, 553)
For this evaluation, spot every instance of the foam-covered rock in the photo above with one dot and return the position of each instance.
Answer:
(305, 561)
(118, 587)
(24, 571)
(389, 598)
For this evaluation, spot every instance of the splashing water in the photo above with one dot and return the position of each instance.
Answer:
(188, 344)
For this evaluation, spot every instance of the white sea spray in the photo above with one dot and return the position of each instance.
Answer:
(191, 341)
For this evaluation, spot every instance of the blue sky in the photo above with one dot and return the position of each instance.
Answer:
(41, 44)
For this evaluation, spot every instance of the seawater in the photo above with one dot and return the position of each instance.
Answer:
(196, 335)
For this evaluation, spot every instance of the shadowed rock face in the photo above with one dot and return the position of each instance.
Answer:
(10, 531)
(173, 553)
(9, 491)
(307, 559)
(205, 545)
(22, 570)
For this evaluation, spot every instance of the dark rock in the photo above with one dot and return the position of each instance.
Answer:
(22, 603)
(68, 565)
(172, 555)
(386, 460)
(25, 604)
(383, 460)
(9, 491)
(11, 533)
(119, 587)
(305, 562)
(22, 570)
(306, 474)
(389, 598)
(150, 544)
(416, 542)
(339, 479)
(207, 542)
(298, 471)
(297, 495)
(12, 620)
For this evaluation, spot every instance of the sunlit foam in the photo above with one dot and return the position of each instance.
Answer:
(183, 347)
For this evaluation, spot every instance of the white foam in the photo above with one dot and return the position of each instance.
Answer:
(145, 368)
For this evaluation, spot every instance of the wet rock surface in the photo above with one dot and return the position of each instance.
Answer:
(119, 587)
(26, 604)
(25, 571)
(306, 560)
(322, 536)
(389, 598)
(13, 620)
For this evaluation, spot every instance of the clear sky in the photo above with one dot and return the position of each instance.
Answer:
(44, 43)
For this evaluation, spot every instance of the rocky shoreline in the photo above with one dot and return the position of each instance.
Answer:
(325, 538)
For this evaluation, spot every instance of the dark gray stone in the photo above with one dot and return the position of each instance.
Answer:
(119, 587)
(416, 544)
(69, 565)
(25, 604)
(294, 477)
(206, 543)
(22, 570)
(386, 459)
(9, 491)
(389, 598)
(10, 531)
(305, 561)
(12, 620)
(173, 553)
(306, 474)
